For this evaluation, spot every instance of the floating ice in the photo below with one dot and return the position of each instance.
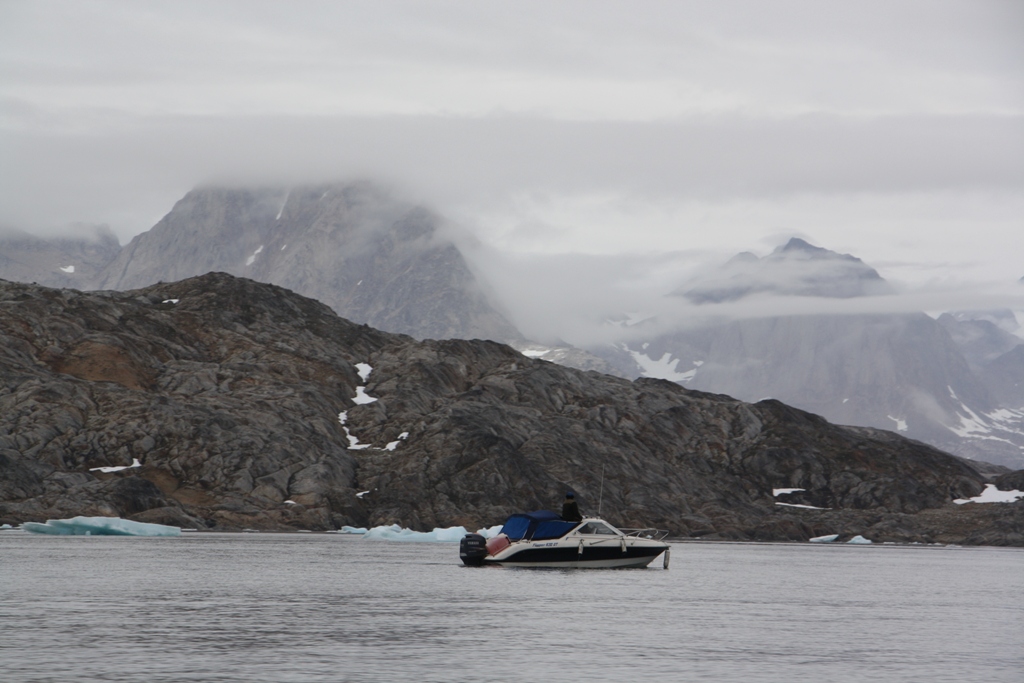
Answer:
(992, 495)
(394, 532)
(349, 530)
(779, 492)
(5, 527)
(859, 540)
(364, 370)
(490, 532)
(824, 539)
(135, 463)
(99, 526)
(68, 269)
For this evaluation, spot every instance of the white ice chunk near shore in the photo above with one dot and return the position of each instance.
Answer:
(394, 532)
(68, 269)
(452, 534)
(99, 526)
(107, 470)
(992, 495)
(364, 370)
(779, 492)
(824, 539)
(859, 540)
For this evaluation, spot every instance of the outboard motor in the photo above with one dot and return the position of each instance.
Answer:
(473, 550)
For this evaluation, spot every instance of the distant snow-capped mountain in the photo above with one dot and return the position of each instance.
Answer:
(795, 269)
(956, 382)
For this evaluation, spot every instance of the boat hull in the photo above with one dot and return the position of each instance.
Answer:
(611, 556)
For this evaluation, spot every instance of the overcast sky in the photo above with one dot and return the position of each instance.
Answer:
(890, 130)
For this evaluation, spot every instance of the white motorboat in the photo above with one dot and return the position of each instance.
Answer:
(543, 539)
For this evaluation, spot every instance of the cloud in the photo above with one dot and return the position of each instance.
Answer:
(454, 160)
(584, 143)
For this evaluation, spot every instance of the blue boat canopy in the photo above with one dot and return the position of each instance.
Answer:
(537, 526)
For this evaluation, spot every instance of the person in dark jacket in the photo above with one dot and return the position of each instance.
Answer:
(570, 510)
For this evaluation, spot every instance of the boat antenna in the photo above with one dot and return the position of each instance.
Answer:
(600, 496)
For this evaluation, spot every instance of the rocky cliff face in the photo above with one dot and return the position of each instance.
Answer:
(246, 405)
(370, 257)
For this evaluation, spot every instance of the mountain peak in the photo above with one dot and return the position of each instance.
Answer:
(797, 244)
(797, 268)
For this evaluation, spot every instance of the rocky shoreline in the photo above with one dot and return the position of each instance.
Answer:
(248, 406)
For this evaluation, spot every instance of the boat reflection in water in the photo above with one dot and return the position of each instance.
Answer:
(544, 539)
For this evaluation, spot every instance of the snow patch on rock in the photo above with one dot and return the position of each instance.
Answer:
(107, 470)
(992, 495)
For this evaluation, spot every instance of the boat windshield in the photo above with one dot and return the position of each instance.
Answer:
(598, 528)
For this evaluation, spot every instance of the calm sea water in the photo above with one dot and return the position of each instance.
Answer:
(304, 607)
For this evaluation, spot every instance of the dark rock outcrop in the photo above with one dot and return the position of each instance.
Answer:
(230, 400)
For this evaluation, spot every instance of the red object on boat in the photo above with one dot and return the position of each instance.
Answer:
(497, 544)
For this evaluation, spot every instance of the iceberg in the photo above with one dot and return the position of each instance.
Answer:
(394, 532)
(859, 540)
(490, 532)
(824, 539)
(99, 526)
